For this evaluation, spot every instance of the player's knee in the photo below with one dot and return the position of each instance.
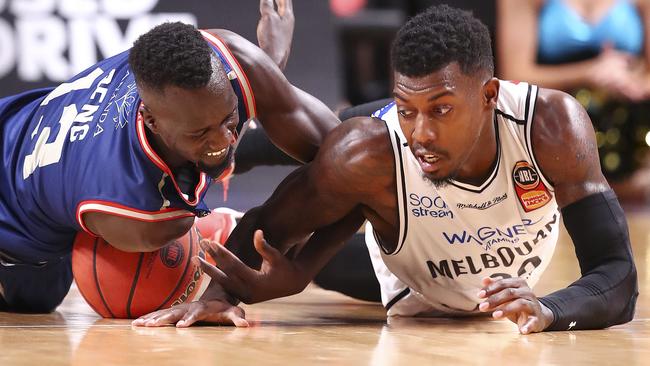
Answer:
(37, 288)
(34, 303)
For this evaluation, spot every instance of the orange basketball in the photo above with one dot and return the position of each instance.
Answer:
(119, 284)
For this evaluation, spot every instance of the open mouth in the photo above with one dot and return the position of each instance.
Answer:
(430, 158)
(429, 162)
(217, 154)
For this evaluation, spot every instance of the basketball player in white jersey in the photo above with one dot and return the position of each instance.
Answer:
(463, 181)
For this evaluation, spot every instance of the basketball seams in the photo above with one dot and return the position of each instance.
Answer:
(119, 284)
(134, 285)
(181, 280)
(98, 286)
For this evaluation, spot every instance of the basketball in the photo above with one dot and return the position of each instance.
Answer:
(125, 285)
(217, 226)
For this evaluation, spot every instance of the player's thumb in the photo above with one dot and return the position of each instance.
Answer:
(267, 252)
(531, 325)
(237, 319)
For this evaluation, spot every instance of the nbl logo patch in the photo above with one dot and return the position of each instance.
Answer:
(172, 255)
(531, 191)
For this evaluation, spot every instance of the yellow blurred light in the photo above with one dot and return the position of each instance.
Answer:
(612, 161)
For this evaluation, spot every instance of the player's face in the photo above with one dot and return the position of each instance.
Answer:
(198, 124)
(446, 117)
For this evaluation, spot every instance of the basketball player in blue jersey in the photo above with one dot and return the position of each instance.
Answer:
(127, 149)
(463, 180)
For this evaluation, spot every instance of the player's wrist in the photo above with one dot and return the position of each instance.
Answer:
(215, 291)
(547, 315)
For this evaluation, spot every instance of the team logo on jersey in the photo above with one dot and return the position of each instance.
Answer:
(172, 255)
(531, 191)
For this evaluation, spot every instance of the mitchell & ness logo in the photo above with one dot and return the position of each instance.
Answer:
(484, 205)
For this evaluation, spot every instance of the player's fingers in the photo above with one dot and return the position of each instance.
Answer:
(514, 309)
(189, 318)
(171, 316)
(532, 324)
(228, 262)
(231, 284)
(267, 252)
(266, 7)
(504, 296)
(141, 320)
(486, 281)
(500, 284)
(236, 316)
(212, 271)
(285, 7)
(149, 317)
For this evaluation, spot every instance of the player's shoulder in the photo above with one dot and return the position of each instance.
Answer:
(359, 149)
(360, 133)
(563, 139)
(559, 118)
(246, 52)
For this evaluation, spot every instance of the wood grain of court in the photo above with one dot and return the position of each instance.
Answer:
(321, 327)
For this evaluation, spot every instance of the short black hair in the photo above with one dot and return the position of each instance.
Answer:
(171, 54)
(439, 36)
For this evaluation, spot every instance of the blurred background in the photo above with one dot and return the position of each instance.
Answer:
(340, 54)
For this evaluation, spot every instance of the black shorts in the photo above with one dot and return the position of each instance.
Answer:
(34, 288)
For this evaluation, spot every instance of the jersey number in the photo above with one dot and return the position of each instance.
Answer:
(46, 153)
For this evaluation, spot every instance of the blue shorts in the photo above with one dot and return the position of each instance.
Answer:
(34, 288)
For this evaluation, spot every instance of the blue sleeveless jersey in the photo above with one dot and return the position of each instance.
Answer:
(82, 147)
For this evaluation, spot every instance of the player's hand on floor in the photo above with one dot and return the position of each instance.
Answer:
(184, 315)
(512, 298)
(277, 277)
(275, 29)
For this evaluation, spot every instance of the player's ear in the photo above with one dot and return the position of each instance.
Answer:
(491, 92)
(148, 118)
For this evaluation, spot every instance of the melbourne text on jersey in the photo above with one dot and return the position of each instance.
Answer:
(501, 257)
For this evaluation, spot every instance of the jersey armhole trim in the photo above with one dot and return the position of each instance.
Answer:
(400, 193)
(531, 104)
(242, 79)
(115, 209)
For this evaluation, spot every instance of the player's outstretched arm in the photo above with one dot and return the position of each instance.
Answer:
(324, 201)
(606, 293)
(275, 30)
(294, 120)
(565, 147)
(327, 197)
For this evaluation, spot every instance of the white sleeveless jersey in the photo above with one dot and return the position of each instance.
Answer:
(450, 238)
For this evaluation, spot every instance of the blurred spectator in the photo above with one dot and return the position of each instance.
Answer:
(366, 29)
(597, 50)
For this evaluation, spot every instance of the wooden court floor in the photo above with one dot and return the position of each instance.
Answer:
(320, 327)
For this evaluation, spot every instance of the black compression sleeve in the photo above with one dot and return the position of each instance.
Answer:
(606, 293)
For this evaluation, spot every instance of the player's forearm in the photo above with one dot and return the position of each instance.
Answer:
(326, 242)
(606, 293)
(240, 241)
(597, 300)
